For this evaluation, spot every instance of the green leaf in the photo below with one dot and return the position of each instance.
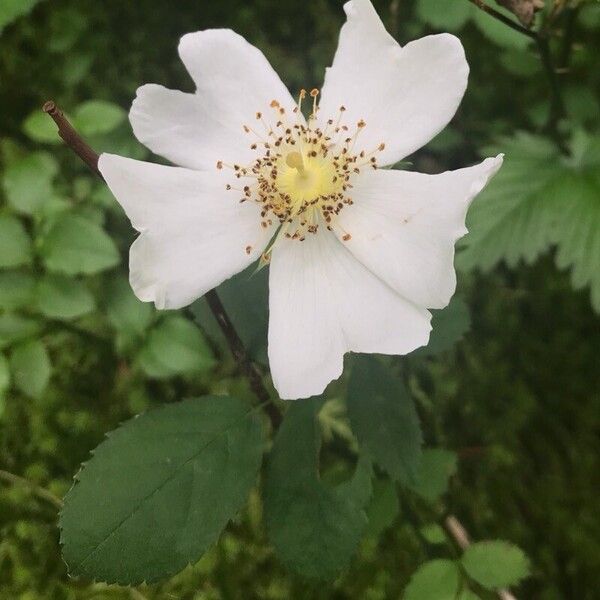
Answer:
(513, 218)
(126, 313)
(449, 325)
(15, 245)
(468, 595)
(14, 328)
(444, 15)
(16, 290)
(31, 368)
(60, 297)
(384, 419)
(97, 117)
(158, 491)
(437, 466)
(39, 127)
(434, 580)
(495, 564)
(314, 528)
(383, 508)
(433, 533)
(4, 376)
(75, 245)
(28, 182)
(578, 236)
(175, 346)
(12, 9)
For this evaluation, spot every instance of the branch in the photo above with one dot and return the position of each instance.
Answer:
(459, 534)
(70, 136)
(502, 18)
(36, 489)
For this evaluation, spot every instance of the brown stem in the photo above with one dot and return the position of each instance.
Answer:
(70, 136)
(500, 17)
(36, 489)
(460, 535)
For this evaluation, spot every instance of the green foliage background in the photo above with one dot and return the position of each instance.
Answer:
(517, 399)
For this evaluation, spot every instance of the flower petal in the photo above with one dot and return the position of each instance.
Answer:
(323, 303)
(403, 227)
(406, 95)
(234, 81)
(194, 233)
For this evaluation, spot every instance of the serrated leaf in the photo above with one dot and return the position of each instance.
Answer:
(578, 236)
(39, 127)
(448, 326)
(434, 580)
(96, 117)
(444, 15)
(126, 313)
(384, 419)
(495, 564)
(436, 468)
(61, 297)
(513, 218)
(75, 245)
(14, 328)
(15, 244)
(158, 491)
(31, 368)
(28, 182)
(175, 346)
(16, 289)
(12, 9)
(315, 528)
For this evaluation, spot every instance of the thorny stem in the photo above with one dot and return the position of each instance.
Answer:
(36, 489)
(459, 534)
(70, 136)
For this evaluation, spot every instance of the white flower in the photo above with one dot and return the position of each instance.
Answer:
(358, 253)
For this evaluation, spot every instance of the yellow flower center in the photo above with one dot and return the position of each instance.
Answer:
(302, 176)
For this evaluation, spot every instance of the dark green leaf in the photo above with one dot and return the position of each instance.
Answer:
(127, 314)
(16, 290)
(437, 466)
(444, 15)
(12, 9)
(435, 580)
(449, 325)
(15, 245)
(383, 508)
(175, 346)
(384, 419)
(60, 297)
(14, 328)
(495, 564)
(41, 128)
(31, 368)
(28, 182)
(75, 245)
(157, 493)
(315, 528)
(433, 533)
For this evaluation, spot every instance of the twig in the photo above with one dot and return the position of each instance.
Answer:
(70, 136)
(36, 489)
(504, 19)
(459, 534)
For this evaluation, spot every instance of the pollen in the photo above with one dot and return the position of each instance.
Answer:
(304, 168)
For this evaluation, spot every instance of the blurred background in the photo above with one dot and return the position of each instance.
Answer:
(517, 399)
